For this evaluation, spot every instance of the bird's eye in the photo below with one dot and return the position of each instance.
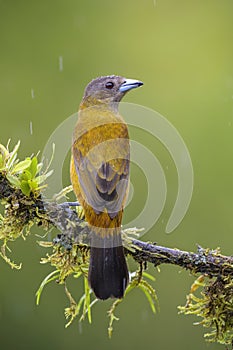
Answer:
(109, 85)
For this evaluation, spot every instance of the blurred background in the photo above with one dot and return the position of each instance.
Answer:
(183, 52)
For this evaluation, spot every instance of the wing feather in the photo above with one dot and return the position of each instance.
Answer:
(103, 174)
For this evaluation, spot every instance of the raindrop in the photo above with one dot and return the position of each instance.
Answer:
(60, 63)
(30, 126)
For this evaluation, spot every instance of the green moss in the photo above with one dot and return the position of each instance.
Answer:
(75, 262)
(214, 306)
(21, 183)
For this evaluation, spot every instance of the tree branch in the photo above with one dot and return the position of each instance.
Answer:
(205, 261)
(24, 206)
(75, 230)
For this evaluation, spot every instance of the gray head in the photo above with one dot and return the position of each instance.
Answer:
(109, 89)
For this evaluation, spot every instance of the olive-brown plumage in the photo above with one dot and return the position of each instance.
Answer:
(100, 177)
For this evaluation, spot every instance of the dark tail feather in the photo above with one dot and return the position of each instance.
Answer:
(108, 273)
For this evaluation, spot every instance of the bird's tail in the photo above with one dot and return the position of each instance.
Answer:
(108, 273)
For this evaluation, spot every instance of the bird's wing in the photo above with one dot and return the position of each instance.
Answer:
(104, 175)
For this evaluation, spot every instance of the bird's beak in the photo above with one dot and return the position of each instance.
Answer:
(130, 84)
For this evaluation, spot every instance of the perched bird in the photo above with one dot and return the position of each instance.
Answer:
(100, 177)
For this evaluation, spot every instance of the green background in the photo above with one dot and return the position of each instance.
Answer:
(183, 51)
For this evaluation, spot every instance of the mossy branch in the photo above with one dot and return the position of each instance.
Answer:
(74, 230)
(205, 261)
(24, 206)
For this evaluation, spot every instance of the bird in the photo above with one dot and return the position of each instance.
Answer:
(99, 172)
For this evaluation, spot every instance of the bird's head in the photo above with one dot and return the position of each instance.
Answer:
(109, 89)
